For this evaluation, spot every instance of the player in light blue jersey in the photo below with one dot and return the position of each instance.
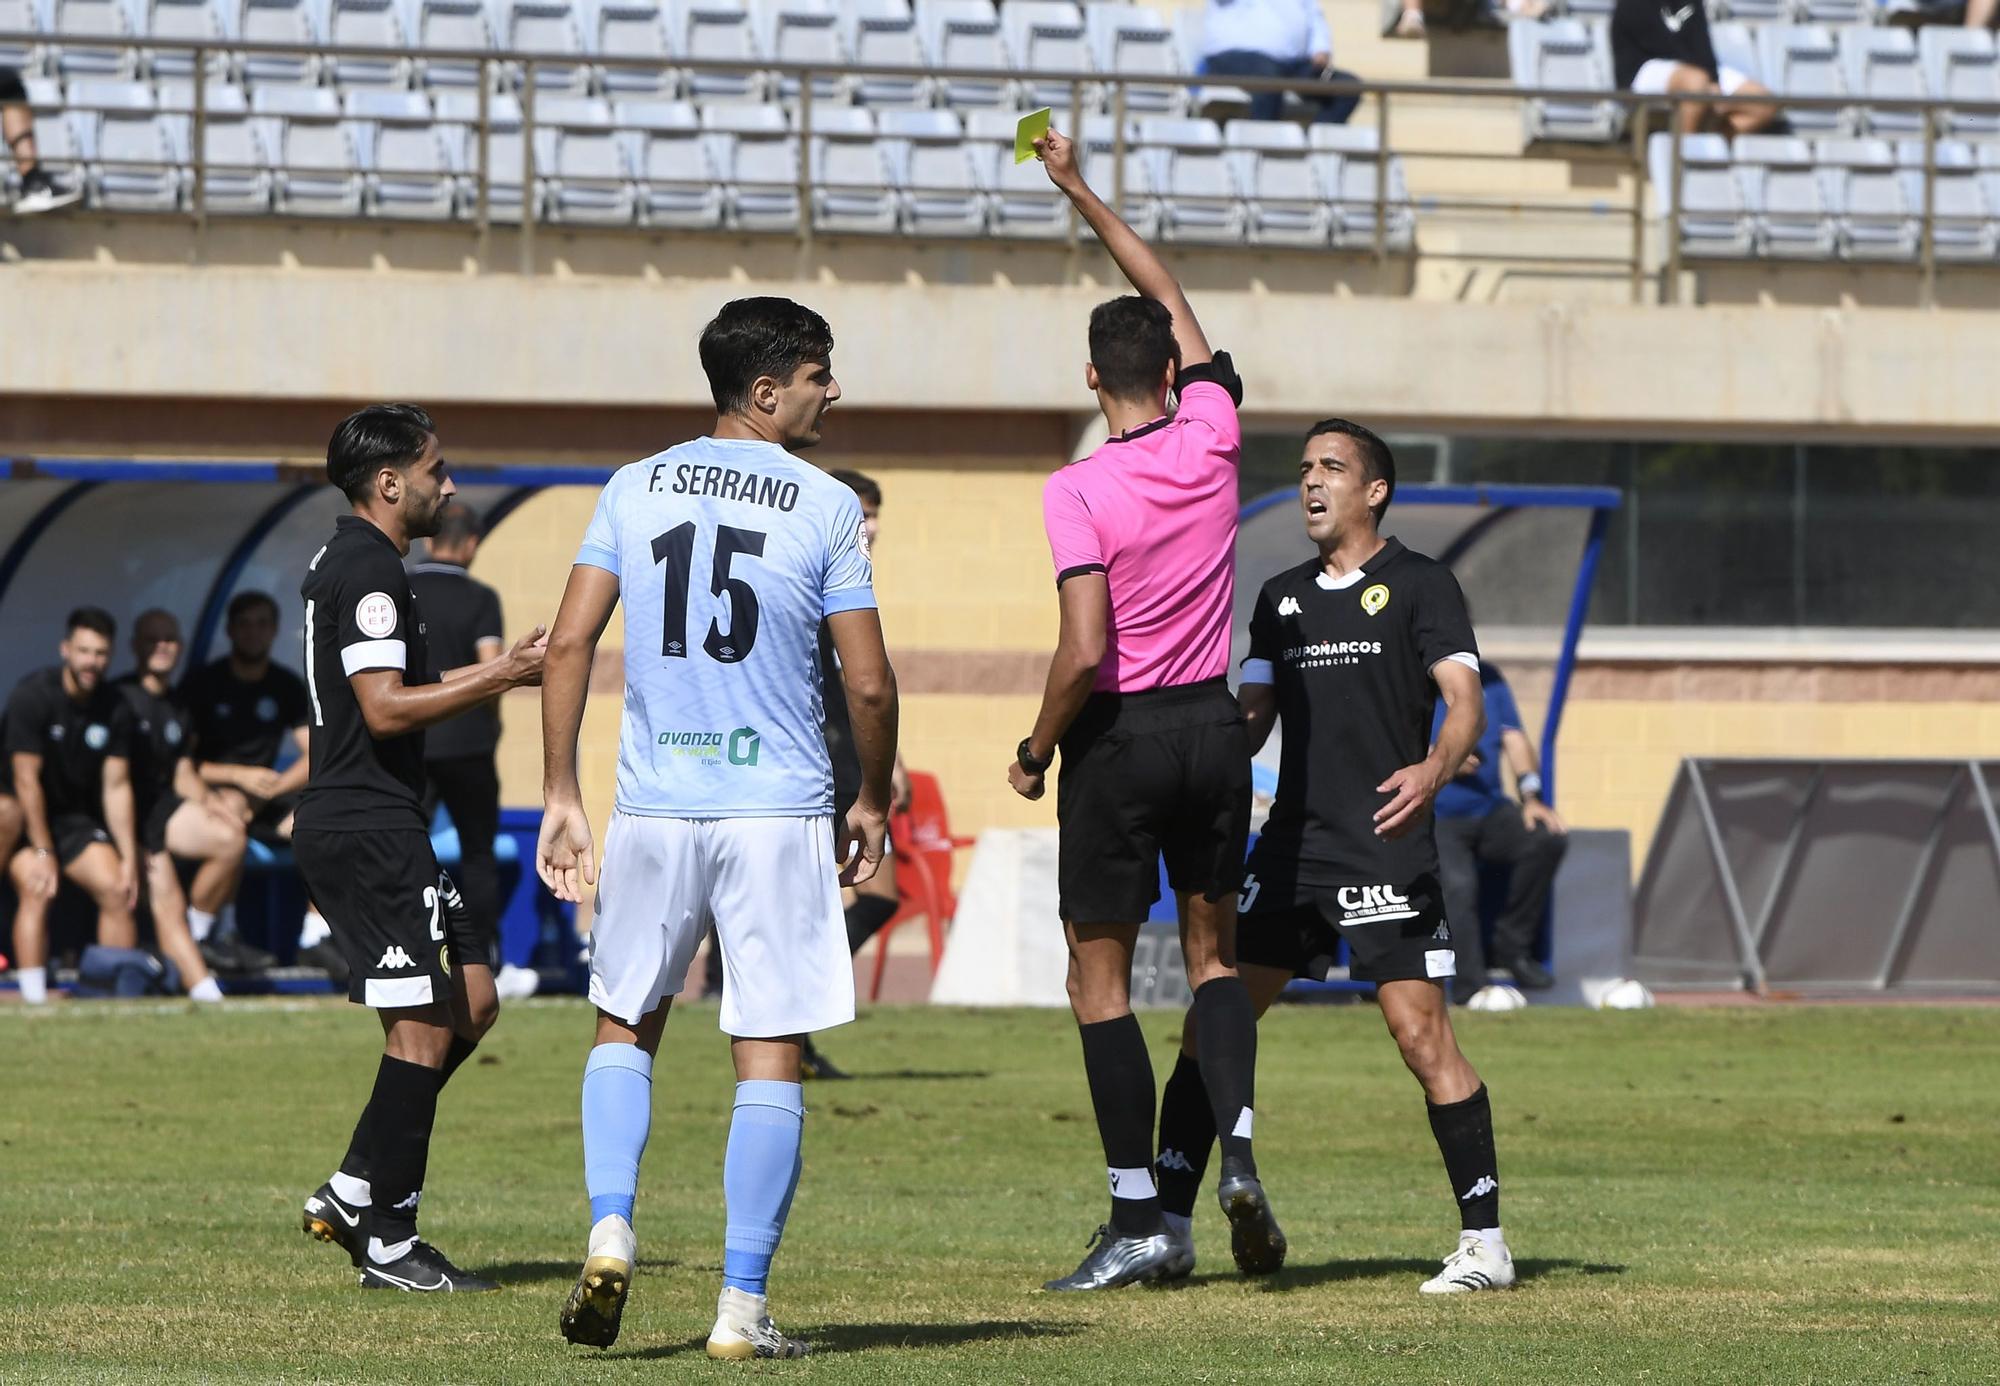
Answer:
(727, 552)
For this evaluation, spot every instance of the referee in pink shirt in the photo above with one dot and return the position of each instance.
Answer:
(1155, 756)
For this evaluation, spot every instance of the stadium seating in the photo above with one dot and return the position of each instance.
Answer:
(546, 26)
(884, 32)
(719, 31)
(1196, 179)
(1786, 197)
(1131, 41)
(758, 156)
(635, 29)
(1284, 204)
(410, 169)
(1564, 53)
(1962, 65)
(319, 160)
(280, 21)
(810, 32)
(1020, 202)
(1350, 165)
(187, 21)
(1962, 213)
(965, 34)
(1047, 36)
(932, 169)
(236, 175)
(368, 24)
(1714, 214)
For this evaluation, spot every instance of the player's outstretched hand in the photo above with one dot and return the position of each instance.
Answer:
(1411, 791)
(864, 840)
(1026, 785)
(1057, 152)
(524, 661)
(565, 858)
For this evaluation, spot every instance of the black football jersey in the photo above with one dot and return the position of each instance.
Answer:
(73, 738)
(1351, 662)
(360, 615)
(242, 721)
(160, 738)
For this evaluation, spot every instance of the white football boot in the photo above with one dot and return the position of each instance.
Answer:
(1476, 1265)
(743, 1329)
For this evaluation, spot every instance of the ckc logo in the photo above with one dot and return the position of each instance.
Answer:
(1370, 898)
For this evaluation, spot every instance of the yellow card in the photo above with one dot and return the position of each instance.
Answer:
(1033, 126)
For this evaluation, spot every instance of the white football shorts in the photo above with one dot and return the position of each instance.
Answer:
(769, 885)
(1653, 76)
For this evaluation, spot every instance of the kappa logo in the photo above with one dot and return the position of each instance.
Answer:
(409, 1205)
(1373, 904)
(1290, 607)
(1673, 19)
(1486, 1185)
(394, 957)
(1173, 1159)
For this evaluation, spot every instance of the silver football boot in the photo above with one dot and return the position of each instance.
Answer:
(1113, 1261)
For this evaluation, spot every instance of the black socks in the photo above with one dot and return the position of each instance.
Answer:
(461, 1050)
(1226, 1046)
(1121, 1090)
(354, 1163)
(1464, 1132)
(865, 918)
(400, 1115)
(1187, 1133)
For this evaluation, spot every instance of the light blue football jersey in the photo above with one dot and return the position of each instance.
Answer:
(728, 555)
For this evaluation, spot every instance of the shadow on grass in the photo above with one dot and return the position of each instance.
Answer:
(1297, 1277)
(529, 1272)
(922, 1075)
(831, 1339)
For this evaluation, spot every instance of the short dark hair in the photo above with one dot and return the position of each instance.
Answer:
(1375, 454)
(755, 337)
(1132, 344)
(369, 439)
(862, 486)
(94, 618)
(243, 603)
(458, 523)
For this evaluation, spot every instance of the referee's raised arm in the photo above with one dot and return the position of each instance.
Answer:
(1146, 271)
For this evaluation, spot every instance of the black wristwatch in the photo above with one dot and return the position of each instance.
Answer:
(1025, 754)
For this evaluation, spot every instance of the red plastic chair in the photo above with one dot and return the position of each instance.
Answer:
(924, 847)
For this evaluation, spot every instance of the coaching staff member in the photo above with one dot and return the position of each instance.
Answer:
(361, 840)
(463, 616)
(1155, 757)
(1351, 650)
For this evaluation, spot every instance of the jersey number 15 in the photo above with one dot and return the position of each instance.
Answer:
(675, 548)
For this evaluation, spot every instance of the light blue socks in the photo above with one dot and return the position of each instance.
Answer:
(617, 1114)
(760, 1172)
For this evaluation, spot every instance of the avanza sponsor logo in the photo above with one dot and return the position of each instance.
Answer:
(739, 747)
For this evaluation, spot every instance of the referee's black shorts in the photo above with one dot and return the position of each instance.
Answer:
(1163, 773)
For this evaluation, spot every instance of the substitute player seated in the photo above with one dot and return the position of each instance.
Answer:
(727, 552)
(1351, 651)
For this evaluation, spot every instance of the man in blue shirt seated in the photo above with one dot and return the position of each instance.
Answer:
(1477, 823)
(1273, 38)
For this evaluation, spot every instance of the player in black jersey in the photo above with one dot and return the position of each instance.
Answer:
(179, 815)
(360, 836)
(1350, 651)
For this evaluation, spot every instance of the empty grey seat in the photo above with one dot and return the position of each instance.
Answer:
(294, 22)
(76, 23)
(546, 26)
(852, 184)
(965, 34)
(1714, 218)
(1349, 162)
(1864, 191)
(368, 24)
(506, 153)
(1563, 53)
(590, 175)
(1836, 11)
(678, 183)
(884, 32)
(1046, 36)
(1781, 186)
(1753, 11)
(1961, 213)
(1882, 65)
(1134, 42)
(132, 164)
(1961, 65)
(1137, 199)
(758, 156)
(319, 165)
(1590, 9)
(633, 29)
(720, 30)
(1199, 196)
(452, 24)
(1804, 60)
(1283, 201)
(1020, 200)
(235, 177)
(410, 168)
(931, 166)
(810, 32)
(27, 56)
(192, 21)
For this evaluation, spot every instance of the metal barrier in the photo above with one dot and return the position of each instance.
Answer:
(1643, 114)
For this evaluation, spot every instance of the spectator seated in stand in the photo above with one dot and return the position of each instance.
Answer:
(39, 191)
(1662, 47)
(1274, 38)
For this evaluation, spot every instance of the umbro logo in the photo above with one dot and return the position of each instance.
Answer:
(1486, 1185)
(1290, 607)
(1173, 1159)
(395, 957)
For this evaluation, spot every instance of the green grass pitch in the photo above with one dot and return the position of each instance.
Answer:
(1808, 1194)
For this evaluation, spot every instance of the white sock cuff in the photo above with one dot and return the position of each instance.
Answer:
(1132, 1183)
(1245, 1119)
(355, 1193)
(1489, 1235)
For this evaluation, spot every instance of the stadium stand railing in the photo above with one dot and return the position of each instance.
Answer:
(716, 116)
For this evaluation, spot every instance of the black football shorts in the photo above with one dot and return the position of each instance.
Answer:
(1393, 933)
(75, 833)
(1145, 776)
(396, 917)
(153, 827)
